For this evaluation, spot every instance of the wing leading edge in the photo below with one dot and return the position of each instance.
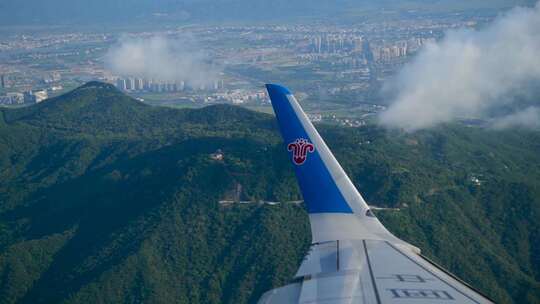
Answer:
(353, 258)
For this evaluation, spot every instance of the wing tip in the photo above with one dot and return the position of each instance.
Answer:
(277, 89)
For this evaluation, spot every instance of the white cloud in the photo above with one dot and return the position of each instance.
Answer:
(468, 73)
(161, 58)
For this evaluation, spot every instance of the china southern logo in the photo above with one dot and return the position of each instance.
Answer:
(300, 148)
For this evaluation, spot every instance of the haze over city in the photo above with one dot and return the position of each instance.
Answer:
(365, 65)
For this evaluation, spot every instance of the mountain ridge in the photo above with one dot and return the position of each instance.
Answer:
(80, 106)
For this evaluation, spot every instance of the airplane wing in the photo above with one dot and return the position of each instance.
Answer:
(353, 257)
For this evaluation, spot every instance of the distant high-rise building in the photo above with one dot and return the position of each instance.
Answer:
(161, 87)
(139, 84)
(366, 49)
(2, 81)
(16, 98)
(35, 96)
(29, 97)
(147, 84)
(121, 84)
(131, 84)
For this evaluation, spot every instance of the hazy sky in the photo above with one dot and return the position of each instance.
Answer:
(97, 12)
(471, 73)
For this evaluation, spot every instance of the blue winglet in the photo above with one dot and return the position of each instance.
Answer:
(304, 144)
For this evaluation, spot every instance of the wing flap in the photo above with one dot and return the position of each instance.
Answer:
(321, 258)
(373, 271)
(401, 276)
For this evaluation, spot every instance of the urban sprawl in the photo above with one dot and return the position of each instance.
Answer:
(336, 69)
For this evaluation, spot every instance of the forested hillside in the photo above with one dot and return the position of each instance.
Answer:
(104, 199)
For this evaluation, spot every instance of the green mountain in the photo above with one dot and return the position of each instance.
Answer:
(107, 200)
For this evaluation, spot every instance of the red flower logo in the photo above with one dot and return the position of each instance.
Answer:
(300, 148)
